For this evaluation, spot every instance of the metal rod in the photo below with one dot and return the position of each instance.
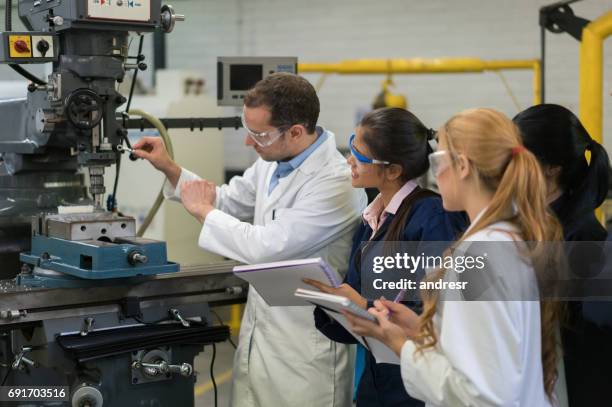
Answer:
(542, 64)
(191, 123)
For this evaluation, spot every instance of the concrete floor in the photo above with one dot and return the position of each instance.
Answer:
(204, 393)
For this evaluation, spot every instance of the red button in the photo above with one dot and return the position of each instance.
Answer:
(21, 46)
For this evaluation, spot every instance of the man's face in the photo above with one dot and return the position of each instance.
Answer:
(257, 119)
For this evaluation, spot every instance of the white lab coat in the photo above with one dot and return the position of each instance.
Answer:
(282, 359)
(489, 352)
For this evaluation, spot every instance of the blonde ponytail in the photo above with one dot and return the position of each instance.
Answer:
(492, 144)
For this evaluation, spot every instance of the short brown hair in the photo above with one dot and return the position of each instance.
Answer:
(290, 98)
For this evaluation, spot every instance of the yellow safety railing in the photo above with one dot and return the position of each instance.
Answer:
(591, 74)
(591, 78)
(426, 66)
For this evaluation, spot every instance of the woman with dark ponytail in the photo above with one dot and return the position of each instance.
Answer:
(389, 151)
(575, 189)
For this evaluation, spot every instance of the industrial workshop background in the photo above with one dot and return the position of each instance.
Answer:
(323, 31)
(331, 31)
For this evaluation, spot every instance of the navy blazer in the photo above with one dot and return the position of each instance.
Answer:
(587, 335)
(381, 384)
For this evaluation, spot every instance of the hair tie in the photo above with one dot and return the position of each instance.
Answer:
(431, 134)
(518, 149)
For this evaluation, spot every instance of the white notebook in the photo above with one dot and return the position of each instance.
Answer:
(333, 305)
(276, 282)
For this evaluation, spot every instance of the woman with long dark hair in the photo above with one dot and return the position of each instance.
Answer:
(576, 187)
(389, 151)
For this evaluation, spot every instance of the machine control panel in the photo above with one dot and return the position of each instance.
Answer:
(124, 10)
(236, 75)
(28, 47)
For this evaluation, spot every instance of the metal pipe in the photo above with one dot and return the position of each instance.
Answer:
(414, 66)
(538, 83)
(591, 74)
(427, 66)
(591, 79)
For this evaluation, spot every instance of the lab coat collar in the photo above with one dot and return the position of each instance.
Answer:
(296, 161)
(321, 155)
(511, 228)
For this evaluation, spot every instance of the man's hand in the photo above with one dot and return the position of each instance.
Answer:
(343, 290)
(153, 150)
(198, 198)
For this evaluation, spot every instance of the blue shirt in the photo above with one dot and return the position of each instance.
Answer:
(284, 168)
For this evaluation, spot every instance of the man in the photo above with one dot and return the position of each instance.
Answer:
(295, 201)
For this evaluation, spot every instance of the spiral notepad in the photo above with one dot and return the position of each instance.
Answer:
(276, 282)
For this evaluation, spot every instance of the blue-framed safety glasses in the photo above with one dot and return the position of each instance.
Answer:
(362, 158)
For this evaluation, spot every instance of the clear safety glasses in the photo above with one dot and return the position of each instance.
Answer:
(265, 138)
(362, 158)
(439, 161)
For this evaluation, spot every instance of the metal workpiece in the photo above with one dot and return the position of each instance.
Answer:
(89, 226)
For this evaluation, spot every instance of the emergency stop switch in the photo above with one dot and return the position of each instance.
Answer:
(21, 46)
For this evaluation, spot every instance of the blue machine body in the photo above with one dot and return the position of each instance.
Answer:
(99, 260)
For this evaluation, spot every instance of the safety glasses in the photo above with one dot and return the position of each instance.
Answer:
(439, 161)
(265, 138)
(362, 158)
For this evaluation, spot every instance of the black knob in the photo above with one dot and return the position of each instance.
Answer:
(142, 66)
(42, 47)
(31, 87)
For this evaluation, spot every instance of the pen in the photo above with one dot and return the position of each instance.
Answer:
(400, 296)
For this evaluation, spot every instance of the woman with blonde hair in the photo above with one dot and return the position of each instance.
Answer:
(495, 350)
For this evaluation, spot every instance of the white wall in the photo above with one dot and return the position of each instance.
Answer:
(332, 30)
(328, 31)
